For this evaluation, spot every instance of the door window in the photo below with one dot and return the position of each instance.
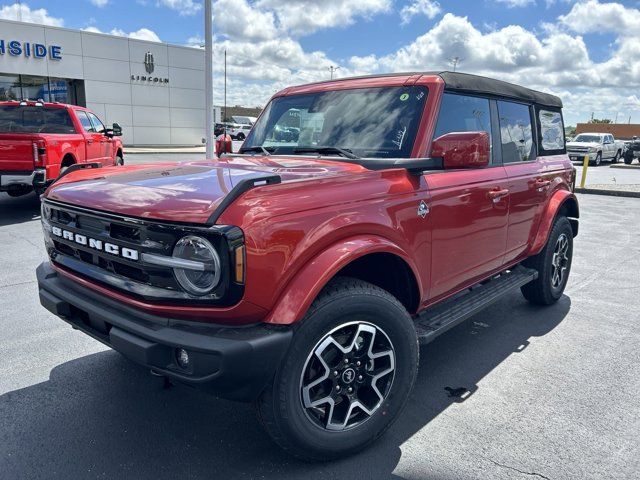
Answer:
(97, 123)
(460, 113)
(515, 132)
(84, 120)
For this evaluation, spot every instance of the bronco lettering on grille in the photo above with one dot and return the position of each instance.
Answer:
(110, 248)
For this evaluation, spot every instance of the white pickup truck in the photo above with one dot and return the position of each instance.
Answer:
(597, 146)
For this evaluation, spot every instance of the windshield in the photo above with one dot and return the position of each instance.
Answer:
(587, 138)
(28, 119)
(368, 122)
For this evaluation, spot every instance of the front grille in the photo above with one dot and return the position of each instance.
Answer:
(88, 234)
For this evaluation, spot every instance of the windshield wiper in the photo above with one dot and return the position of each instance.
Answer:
(340, 151)
(259, 149)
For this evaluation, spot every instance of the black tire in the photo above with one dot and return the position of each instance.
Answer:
(597, 161)
(119, 160)
(616, 157)
(344, 307)
(628, 159)
(544, 290)
(240, 136)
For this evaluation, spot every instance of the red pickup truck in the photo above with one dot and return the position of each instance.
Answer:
(303, 273)
(39, 140)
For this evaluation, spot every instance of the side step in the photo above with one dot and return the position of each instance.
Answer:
(446, 315)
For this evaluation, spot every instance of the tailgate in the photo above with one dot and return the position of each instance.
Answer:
(16, 152)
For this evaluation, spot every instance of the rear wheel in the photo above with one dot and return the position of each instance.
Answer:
(553, 264)
(348, 373)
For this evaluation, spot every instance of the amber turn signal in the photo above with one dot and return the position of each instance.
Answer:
(240, 264)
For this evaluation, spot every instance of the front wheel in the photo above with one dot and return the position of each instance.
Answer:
(616, 158)
(597, 161)
(119, 161)
(240, 137)
(348, 373)
(628, 159)
(553, 264)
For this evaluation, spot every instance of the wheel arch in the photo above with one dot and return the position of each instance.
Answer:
(68, 159)
(563, 203)
(356, 258)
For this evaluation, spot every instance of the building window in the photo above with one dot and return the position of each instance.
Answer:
(10, 87)
(516, 132)
(34, 88)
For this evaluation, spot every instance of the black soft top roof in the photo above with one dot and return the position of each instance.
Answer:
(465, 82)
(489, 86)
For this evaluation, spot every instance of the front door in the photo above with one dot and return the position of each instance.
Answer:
(105, 142)
(93, 139)
(468, 209)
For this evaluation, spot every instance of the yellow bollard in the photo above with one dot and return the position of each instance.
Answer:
(585, 164)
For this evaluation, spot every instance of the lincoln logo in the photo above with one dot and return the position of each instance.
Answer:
(99, 245)
(148, 62)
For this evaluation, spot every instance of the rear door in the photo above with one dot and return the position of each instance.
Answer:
(529, 175)
(94, 147)
(468, 209)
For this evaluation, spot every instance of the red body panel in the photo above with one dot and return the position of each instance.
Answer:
(326, 213)
(16, 149)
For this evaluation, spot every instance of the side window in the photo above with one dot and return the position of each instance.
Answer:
(460, 113)
(84, 120)
(97, 124)
(551, 130)
(515, 132)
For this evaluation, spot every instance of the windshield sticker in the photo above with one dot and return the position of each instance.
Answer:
(404, 97)
(420, 95)
(400, 137)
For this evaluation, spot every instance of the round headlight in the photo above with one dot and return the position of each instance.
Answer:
(202, 274)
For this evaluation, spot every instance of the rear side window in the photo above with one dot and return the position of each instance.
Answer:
(551, 128)
(84, 120)
(28, 119)
(516, 133)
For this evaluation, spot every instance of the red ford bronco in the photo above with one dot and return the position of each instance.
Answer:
(39, 141)
(302, 274)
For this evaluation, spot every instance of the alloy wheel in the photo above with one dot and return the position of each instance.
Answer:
(347, 376)
(560, 261)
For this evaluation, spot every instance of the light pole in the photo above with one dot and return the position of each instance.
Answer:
(333, 69)
(208, 78)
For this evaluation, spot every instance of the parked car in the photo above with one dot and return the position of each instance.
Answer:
(303, 277)
(597, 146)
(632, 150)
(39, 141)
(238, 131)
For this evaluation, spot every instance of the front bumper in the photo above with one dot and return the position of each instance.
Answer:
(579, 156)
(234, 363)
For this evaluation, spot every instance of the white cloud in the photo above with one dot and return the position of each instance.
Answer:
(24, 13)
(141, 34)
(429, 8)
(100, 3)
(595, 17)
(301, 17)
(183, 7)
(516, 3)
(239, 20)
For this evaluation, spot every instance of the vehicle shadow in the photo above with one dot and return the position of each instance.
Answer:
(19, 209)
(103, 416)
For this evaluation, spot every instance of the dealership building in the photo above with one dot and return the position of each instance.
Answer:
(155, 91)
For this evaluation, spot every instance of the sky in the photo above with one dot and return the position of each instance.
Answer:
(585, 51)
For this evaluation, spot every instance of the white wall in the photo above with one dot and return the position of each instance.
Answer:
(149, 113)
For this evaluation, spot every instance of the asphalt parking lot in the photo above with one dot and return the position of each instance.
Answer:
(552, 392)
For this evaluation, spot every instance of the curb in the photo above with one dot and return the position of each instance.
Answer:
(610, 193)
(625, 166)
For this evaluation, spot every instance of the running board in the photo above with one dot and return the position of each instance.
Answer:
(446, 315)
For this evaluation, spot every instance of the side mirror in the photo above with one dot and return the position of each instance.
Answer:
(224, 145)
(462, 149)
(117, 130)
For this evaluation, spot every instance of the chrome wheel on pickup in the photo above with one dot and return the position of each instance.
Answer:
(347, 375)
